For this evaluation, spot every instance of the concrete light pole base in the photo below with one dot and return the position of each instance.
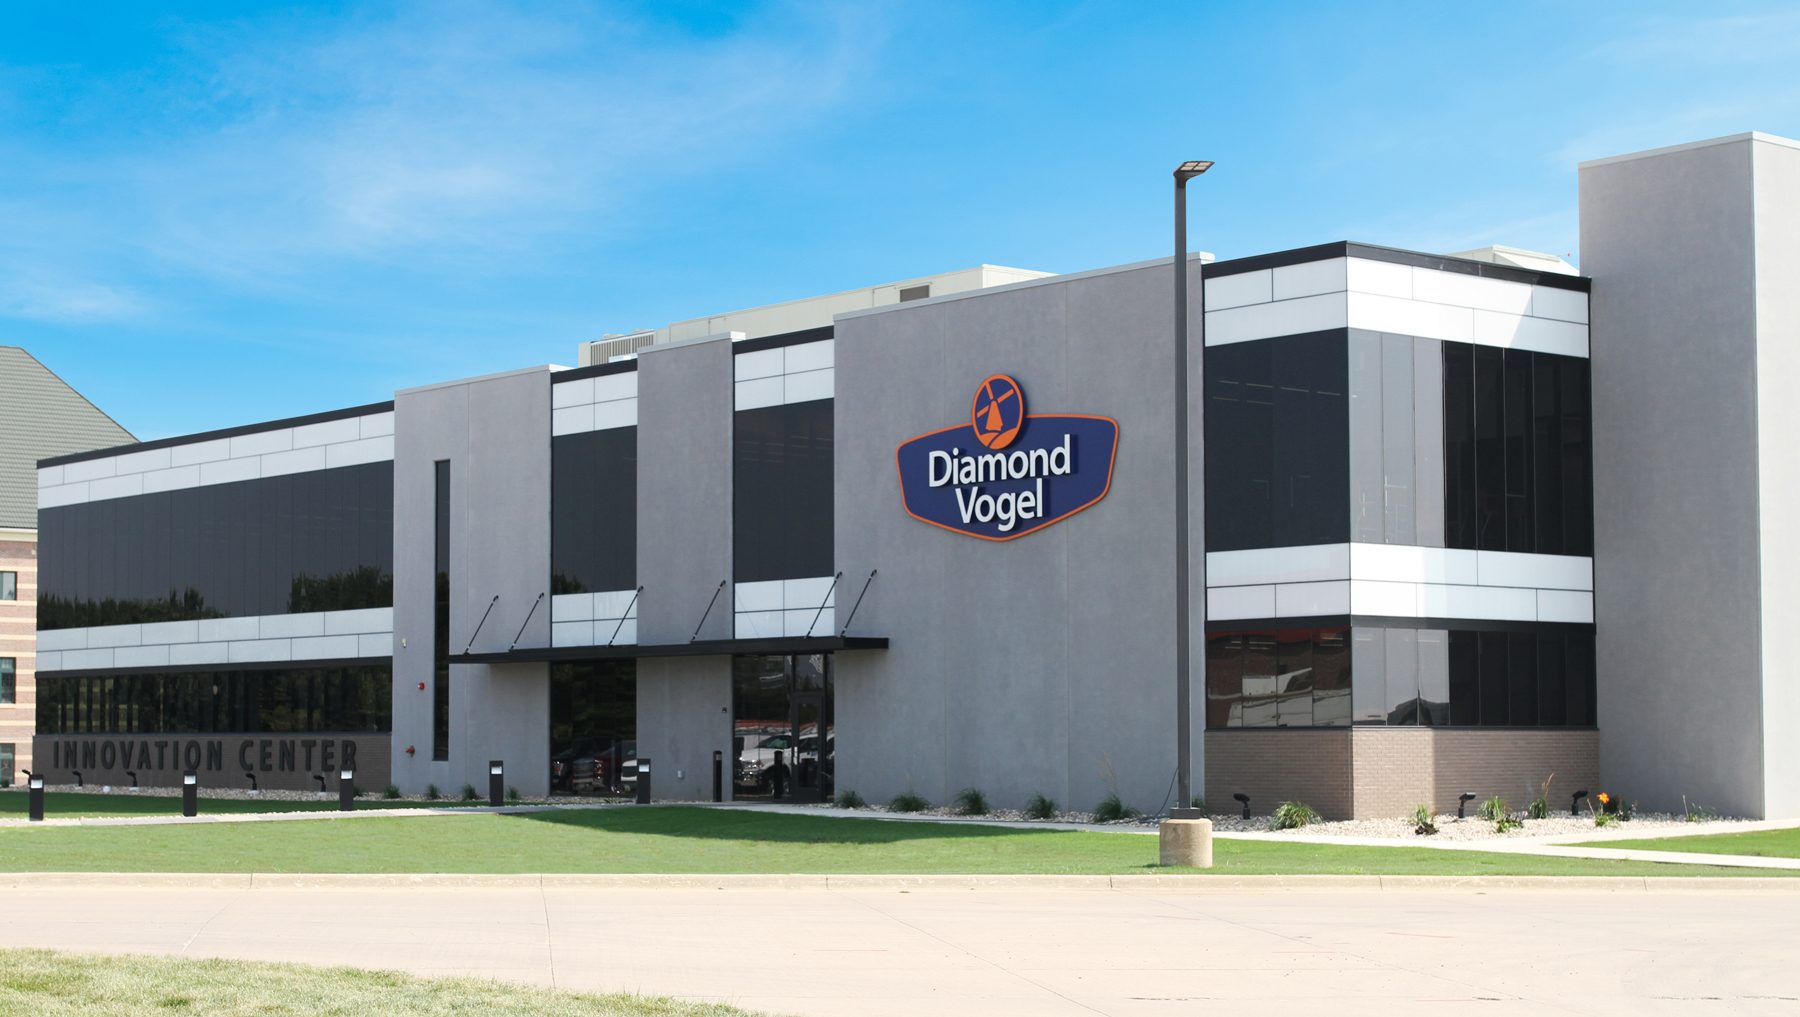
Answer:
(1186, 842)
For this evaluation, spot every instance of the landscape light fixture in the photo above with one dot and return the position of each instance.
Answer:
(1462, 802)
(1245, 799)
(1184, 757)
(190, 794)
(496, 783)
(1575, 799)
(321, 779)
(346, 790)
(35, 783)
(133, 775)
(252, 778)
(77, 774)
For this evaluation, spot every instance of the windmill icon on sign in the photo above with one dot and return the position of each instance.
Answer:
(998, 411)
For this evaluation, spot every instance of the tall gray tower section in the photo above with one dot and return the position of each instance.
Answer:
(1695, 256)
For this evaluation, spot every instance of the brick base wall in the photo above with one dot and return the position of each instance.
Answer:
(1384, 772)
(1274, 765)
(18, 640)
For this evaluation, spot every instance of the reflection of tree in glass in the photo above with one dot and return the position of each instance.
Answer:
(55, 612)
(365, 586)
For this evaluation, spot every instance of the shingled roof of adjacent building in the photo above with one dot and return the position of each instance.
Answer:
(40, 417)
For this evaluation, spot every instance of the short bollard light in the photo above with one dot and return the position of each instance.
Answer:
(346, 790)
(35, 783)
(643, 782)
(1245, 800)
(1574, 800)
(718, 776)
(190, 794)
(251, 777)
(496, 782)
(1462, 802)
(77, 774)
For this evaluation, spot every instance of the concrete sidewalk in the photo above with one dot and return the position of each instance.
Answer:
(994, 952)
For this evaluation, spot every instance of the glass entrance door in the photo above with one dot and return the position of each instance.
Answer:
(782, 736)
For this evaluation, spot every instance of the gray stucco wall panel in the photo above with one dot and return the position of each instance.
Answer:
(1666, 240)
(495, 433)
(1777, 201)
(685, 406)
(683, 716)
(1036, 658)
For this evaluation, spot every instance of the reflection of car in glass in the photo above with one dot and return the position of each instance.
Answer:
(757, 758)
(588, 765)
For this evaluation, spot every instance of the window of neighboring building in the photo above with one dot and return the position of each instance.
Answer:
(9, 586)
(8, 759)
(9, 691)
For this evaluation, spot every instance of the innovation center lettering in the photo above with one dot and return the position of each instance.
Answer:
(1037, 469)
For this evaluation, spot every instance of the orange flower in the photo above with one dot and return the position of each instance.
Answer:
(1604, 798)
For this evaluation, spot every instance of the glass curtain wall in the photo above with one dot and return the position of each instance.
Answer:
(322, 540)
(593, 511)
(783, 735)
(340, 699)
(782, 492)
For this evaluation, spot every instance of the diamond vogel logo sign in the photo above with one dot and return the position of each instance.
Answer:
(1007, 472)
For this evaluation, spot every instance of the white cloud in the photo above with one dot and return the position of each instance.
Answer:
(464, 132)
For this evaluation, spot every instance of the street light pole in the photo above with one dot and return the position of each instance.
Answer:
(1183, 652)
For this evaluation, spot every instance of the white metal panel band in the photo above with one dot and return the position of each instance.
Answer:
(318, 635)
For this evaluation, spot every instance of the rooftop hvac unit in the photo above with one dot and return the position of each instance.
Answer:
(614, 347)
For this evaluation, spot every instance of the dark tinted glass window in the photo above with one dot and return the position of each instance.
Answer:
(593, 726)
(782, 496)
(315, 541)
(1434, 677)
(1578, 678)
(1402, 682)
(440, 643)
(1465, 679)
(1521, 680)
(1553, 699)
(9, 690)
(593, 511)
(343, 699)
(1496, 704)
(9, 586)
(1277, 442)
(1290, 678)
(1516, 451)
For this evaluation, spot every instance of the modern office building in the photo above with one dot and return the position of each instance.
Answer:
(43, 416)
(900, 540)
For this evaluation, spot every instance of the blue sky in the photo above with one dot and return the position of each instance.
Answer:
(222, 213)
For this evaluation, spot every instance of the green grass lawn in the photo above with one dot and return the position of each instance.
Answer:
(699, 840)
(88, 805)
(1764, 843)
(50, 984)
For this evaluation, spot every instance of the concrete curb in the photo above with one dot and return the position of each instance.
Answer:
(1152, 883)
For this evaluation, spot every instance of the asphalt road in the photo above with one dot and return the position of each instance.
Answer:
(1036, 951)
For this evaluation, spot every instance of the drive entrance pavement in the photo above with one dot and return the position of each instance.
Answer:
(865, 946)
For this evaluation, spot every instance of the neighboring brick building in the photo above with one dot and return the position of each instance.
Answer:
(42, 417)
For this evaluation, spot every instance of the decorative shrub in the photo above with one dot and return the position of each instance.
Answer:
(848, 799)
(1292, 816)
(1424, 823)
(1199, 805)
(1112, 810)
(390, 792)
(907, 801)
(1696, 813)
(971, 802)
(1040, 807)
(512, 794)
(431, 792)
(1540, 806)
(468, 793)
(1494, 809)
